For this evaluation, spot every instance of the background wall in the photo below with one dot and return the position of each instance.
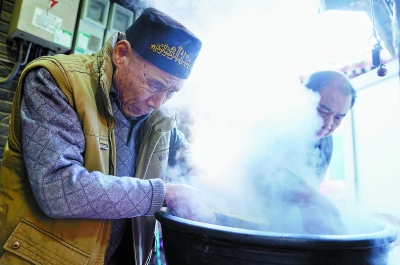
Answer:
(7, 59)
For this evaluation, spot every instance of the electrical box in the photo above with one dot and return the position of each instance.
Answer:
(119, 20)
(91, 26)
(96, 12)
(89, 38)
(48, 23)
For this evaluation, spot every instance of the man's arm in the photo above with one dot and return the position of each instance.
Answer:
(53, 144)
(318, 213)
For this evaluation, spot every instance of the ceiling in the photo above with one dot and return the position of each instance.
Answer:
(382, 10)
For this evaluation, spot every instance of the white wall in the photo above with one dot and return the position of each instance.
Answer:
(372, 142)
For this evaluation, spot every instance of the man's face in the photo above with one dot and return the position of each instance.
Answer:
(333, 107)
(141, 86)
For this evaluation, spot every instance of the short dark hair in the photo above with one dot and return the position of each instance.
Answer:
(320, 79)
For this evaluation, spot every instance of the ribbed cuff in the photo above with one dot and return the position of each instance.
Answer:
(158, 196)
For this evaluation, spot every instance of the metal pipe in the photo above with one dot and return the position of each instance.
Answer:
(27, 54)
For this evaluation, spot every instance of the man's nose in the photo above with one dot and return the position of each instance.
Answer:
(157, 99)
(328, 122)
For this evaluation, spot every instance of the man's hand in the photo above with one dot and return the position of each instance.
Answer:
(321, 216)
(189, 203)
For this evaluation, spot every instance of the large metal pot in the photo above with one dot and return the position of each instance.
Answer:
(192, 243)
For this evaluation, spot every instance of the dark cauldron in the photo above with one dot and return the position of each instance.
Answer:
(189, 242)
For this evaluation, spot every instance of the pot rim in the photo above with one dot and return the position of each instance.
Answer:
(258, 238)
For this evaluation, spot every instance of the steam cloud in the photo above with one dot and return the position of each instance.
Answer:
(250, 120)
(248, 117)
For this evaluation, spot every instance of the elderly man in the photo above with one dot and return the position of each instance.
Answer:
(88, 148)
(289, 180)
(337, 97)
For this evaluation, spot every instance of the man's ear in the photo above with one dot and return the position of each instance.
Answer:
(122, 53)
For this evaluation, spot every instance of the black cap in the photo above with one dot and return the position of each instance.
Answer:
(164, 42)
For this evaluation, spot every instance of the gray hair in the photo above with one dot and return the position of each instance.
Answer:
(320, 79)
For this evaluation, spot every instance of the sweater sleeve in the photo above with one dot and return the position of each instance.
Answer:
(53, 144)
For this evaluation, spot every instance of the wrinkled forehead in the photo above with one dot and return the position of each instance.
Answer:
(335, 98)
(155, 74)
